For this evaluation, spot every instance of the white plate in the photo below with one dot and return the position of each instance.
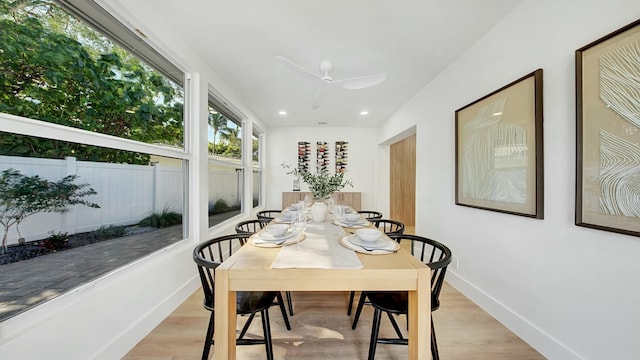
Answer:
(263, 235)
(359, 223)
(378, 244)
(256, 240)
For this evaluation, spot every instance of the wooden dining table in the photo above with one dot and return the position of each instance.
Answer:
(250, 269)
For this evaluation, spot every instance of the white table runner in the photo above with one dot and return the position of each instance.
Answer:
(319, 250)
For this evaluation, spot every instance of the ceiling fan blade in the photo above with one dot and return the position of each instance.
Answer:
(299, 69)
(319, 96)
(361, 82)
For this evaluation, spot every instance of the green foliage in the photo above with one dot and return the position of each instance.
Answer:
(57, 69)
(108, 232)
(55, 241)
(22, 196)
(221, 207)
(164, 218)
(255, 150)
(228, 134)
(321, 184)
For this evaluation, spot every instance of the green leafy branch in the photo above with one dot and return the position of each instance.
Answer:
(321, 184)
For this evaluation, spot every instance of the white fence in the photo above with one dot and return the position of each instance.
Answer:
(125, 193)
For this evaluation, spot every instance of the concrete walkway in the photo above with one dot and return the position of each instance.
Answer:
(27, 283)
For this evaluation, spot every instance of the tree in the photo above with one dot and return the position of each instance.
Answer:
(255, 149)
(233, 142)
(22, 196)
(57, 69)
(217, 121)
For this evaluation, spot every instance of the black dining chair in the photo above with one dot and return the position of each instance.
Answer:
(252, 227)
(389, 227)
(370, 214)
(435, 255)
(208, 256)
(267, 214)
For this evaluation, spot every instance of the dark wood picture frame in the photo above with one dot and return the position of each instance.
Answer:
(608, 132)
(499, 150)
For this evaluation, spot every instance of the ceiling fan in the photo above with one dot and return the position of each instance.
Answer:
(327, 82)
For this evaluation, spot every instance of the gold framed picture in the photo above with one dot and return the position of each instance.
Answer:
(608, 132)
(499, 155)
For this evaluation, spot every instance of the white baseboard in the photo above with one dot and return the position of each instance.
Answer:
(543, 342)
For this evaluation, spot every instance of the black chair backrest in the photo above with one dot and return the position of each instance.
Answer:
(267, 214)
(370, 214)
(251, 226)
(389, 227)
(209, 255)
(435, 255)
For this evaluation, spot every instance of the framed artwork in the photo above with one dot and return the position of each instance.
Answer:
(499, 154)
(608, 132)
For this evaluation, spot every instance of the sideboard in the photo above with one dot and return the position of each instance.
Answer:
(353, 199)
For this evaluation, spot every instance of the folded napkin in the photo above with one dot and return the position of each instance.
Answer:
(358, 223)
(272, 242)
(283, 220)
(387, 246)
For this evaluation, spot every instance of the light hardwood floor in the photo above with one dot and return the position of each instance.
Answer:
(321, 329)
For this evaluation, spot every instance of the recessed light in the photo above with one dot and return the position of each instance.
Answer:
(364, 113)
(497, 113)
(282, 113)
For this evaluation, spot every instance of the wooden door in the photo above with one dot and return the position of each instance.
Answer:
(402, 171)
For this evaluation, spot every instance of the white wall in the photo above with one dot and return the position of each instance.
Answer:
(282, 146)
(569, 291)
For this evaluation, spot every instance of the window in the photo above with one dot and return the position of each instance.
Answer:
(256, 163)
(85, 119)
(60, 70)
(226, 171)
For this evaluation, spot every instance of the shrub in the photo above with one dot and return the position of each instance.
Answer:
(162, 219)
(108, 232)
(55, 241)
(220, 207)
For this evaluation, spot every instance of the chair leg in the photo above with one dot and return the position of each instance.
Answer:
(375, 329)
(289, 302)
(246, 326)
(434, 344)
(283, 310)
(361, 301)
(352, 294)
(266, 329)
(208, 341)
(395, 326)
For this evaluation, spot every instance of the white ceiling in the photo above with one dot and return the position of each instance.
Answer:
(409, 40)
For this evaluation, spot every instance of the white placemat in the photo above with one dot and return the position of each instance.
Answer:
(320, 250)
